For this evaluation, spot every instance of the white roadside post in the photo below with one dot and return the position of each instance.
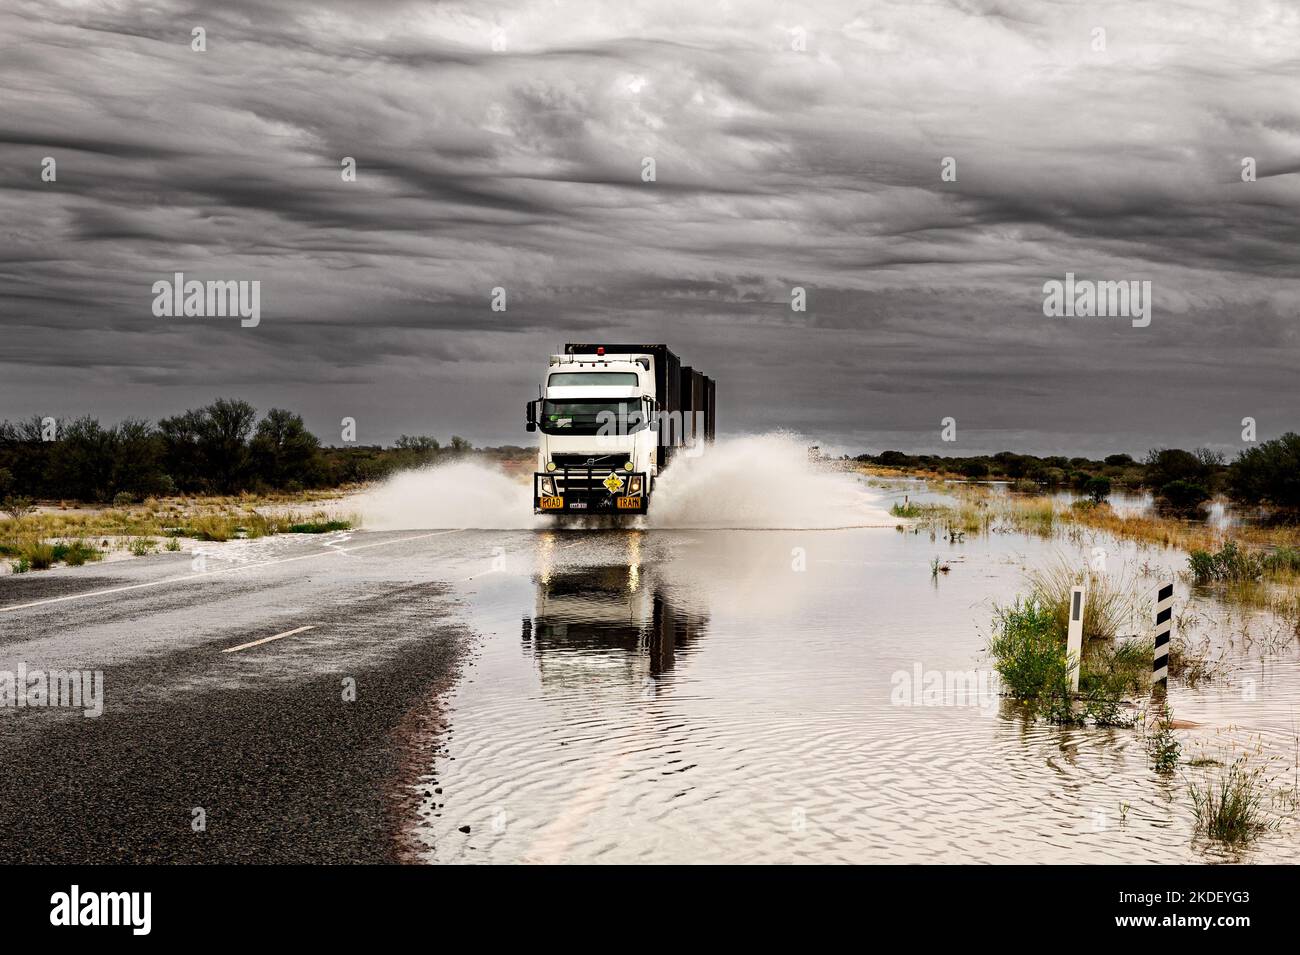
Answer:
(1074, 636)
(1164, 627)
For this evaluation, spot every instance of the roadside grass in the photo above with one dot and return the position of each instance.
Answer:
(142, 546)
(77, 552)
(319, 527)
(40, 539)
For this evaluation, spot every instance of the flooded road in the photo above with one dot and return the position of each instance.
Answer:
(532, 693)
(756, 696)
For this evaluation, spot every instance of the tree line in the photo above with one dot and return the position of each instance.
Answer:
(1266, 474)
(222, 448)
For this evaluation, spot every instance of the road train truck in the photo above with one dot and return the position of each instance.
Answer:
(610, 419)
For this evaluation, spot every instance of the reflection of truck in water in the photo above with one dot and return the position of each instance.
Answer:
(600, 620)
(611, 419)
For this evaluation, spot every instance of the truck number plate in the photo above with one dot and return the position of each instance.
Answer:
(628, 503)
(578, 505)
(552, 503)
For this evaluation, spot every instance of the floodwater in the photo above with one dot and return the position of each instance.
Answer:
(747, 695)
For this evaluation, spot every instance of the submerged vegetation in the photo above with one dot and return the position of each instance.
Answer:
(1230, 806)
(1030, 654)
(1254, 564)
(1163, 748)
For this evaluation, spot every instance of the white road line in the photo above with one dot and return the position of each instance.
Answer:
(256, 643)
(333, 551)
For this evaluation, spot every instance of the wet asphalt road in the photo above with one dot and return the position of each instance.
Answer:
(262, 740)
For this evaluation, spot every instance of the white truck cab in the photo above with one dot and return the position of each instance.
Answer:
(600, 444)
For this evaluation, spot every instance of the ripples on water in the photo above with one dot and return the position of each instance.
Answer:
(690, 696)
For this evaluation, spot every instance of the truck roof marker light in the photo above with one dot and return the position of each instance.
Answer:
(600, 351)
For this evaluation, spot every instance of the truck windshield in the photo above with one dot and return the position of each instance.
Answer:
(593, 416)
(581, 379)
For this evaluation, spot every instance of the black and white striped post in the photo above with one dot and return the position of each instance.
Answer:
(1164, 625)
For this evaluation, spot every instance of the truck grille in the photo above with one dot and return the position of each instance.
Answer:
(599, 462)
(584, 479)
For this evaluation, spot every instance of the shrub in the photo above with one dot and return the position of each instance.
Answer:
(894, 459)
(1098, 489)
(39, 555)
(1183, 497)
(1229, 563)
(1174, 464)
(79, 552)
(142, 546)
(1283, 561)
(1029, 658)
(18, 507)
(212, 527)
(1268, 473)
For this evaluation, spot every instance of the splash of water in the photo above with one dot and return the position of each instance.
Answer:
(763, 481)
(760, 482)
(459, 494)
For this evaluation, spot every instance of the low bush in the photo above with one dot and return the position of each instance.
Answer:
(1029, 657)
(1229, 563)
(77, 553)
(143, 546)
(1182, 497)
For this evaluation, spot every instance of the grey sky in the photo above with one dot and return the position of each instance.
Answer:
(776, 168)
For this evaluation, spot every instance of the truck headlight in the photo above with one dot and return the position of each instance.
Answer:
(627, 466)
(548, 487)
(550, 465)
(634, 484)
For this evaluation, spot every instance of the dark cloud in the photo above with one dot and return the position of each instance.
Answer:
(505, 148)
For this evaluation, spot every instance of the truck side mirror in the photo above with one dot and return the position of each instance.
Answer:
(530, 416)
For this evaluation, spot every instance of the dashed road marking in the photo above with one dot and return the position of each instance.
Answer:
(225, 570)
(258, 643)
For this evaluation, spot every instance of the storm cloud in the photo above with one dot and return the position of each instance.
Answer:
(794, 146)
